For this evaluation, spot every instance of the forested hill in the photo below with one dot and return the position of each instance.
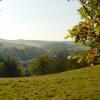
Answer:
(37, 43)
(26, 50)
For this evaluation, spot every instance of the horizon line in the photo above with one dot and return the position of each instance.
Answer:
(34, 40)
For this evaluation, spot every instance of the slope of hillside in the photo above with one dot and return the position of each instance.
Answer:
(81, 84)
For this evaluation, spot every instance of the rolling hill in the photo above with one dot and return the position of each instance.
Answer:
(81, 84)
(26, 50)
(37, 43)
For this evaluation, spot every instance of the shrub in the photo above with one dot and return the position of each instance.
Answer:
(2, 70)
(10, 68)
(42, 65)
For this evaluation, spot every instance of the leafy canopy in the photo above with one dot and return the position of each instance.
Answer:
(87, 31)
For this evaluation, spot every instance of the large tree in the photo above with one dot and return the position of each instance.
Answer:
(88, 30)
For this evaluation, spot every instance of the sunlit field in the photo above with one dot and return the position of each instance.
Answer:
(81, 84)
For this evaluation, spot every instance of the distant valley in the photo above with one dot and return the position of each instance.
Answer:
(27, 50)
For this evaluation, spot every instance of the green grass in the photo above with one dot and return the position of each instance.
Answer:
(81, 84)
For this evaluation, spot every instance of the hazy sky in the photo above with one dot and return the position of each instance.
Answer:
(37, 19)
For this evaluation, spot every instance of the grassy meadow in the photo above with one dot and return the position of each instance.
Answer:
(81, 84)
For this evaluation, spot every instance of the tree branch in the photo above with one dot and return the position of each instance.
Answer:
(86, 9)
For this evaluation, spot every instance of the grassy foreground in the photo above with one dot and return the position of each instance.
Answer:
(81, 84)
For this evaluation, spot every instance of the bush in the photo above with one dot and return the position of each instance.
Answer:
(10, 68)
(2, 69)
(42, 65)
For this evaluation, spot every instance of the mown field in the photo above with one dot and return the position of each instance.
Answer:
(81, 84)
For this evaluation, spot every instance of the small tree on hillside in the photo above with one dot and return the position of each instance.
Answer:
(42, 65)
(10, 67)
(13, 68)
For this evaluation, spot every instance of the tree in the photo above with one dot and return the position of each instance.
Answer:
(87, 31)
(13, 68)
(3, 71)
(10, 67)
(42, 65)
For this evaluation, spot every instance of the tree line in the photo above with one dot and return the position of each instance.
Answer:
(41, 65)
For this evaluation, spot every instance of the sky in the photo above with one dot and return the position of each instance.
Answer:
(37, 19)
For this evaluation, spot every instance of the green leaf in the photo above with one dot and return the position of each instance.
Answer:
(79, 60)
(68, 36)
